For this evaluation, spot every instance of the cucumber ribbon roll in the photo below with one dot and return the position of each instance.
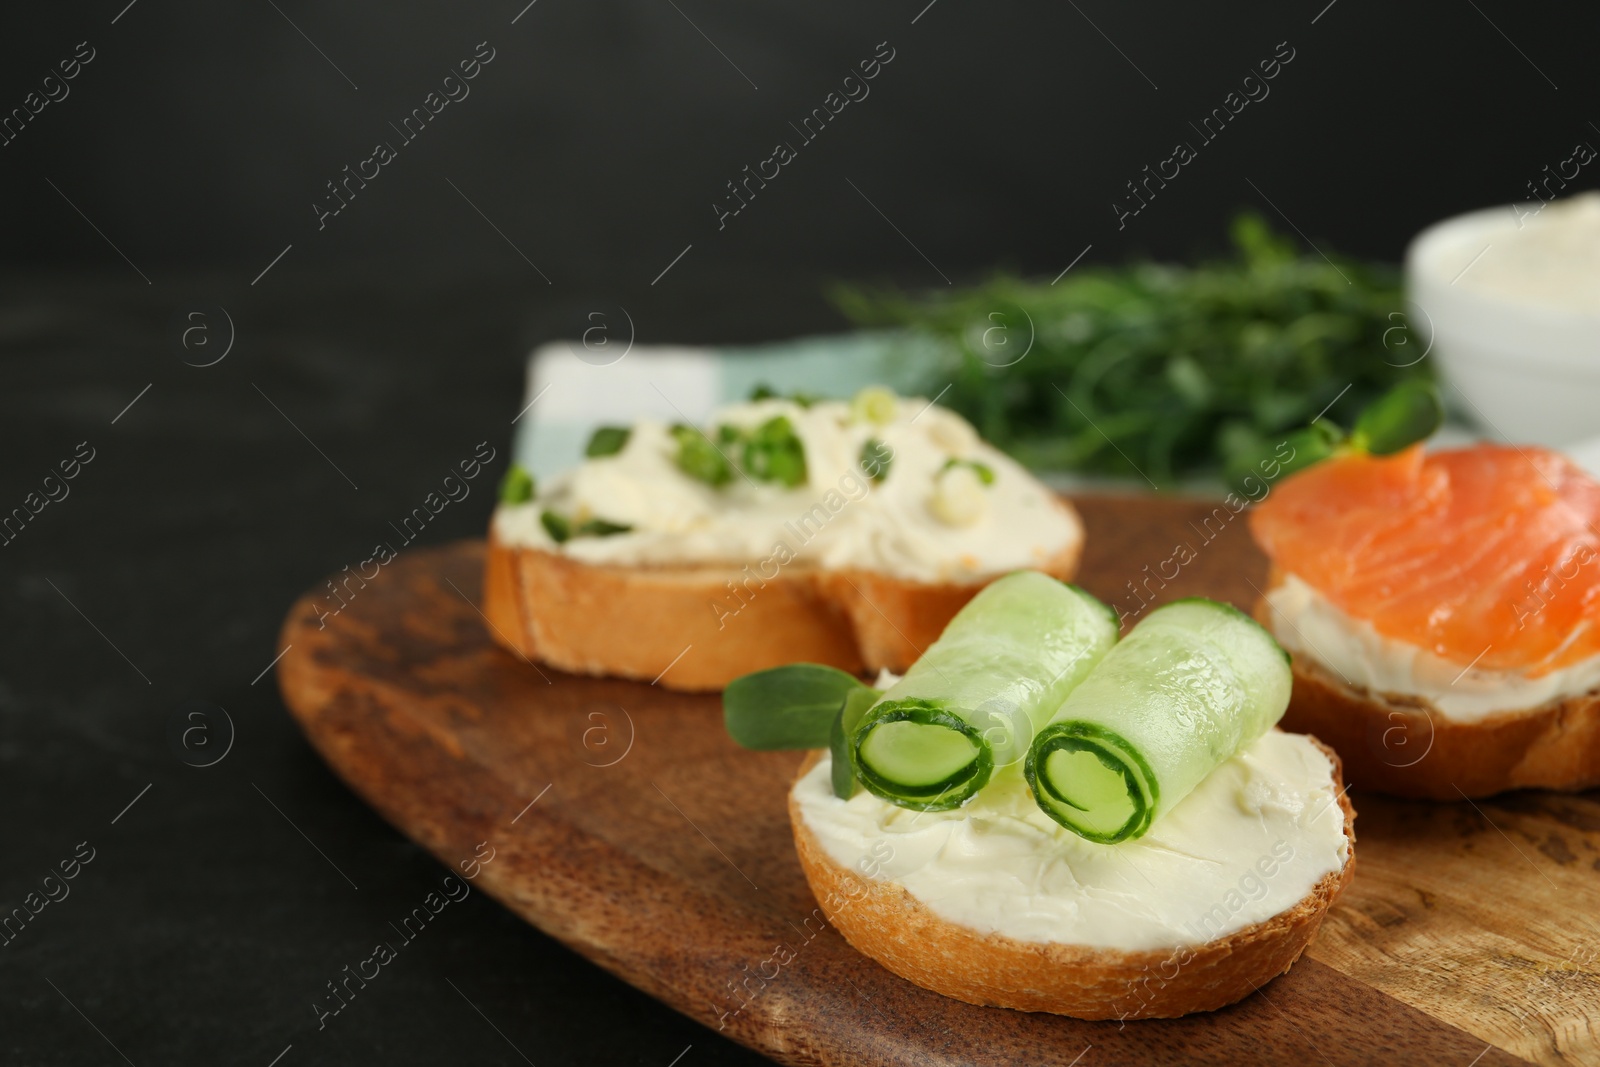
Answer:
(973, 700)
(1191, 685)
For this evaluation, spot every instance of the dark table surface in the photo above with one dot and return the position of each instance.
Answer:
(221, 899)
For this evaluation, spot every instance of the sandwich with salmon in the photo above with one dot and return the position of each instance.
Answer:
(1443, 613)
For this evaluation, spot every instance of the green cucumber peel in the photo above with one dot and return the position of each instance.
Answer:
(786, 707)
(1238, 614)
(1195, 682)
(1117, 780)
(920, 755)
(971, 704)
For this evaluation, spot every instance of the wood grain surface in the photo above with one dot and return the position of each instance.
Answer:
(627, 825)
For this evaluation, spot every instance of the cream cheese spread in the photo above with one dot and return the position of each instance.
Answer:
(1551, 258)
(1249, 843)
(927, 519)
(1307, 623)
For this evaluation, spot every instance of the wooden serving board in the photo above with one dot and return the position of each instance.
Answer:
(661, 851)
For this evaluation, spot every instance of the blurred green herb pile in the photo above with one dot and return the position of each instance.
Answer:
(1161, 371)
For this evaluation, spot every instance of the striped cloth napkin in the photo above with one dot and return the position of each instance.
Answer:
(573, 388)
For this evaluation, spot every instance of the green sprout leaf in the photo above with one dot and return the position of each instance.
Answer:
(1268, 460)
(1406, 414)
(851, 712)
(786, 707)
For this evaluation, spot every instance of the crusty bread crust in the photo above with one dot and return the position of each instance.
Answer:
(1404, 745)
(884, 921)
(637, 621)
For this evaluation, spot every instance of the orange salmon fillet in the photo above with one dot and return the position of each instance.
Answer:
(1486, 555)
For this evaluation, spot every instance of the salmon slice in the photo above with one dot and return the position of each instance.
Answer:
(1488, 555)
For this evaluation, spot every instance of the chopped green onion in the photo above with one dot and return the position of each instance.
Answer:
(800, 399)
(608, 441)
(875, 404)
(1194, 683)
(556, 526)
(875, 459)
(518, 486)
(699, 458)
(774, 453)
(561, 530)
(786, 707)
(984, 472)
(601, 528)
(971, 703)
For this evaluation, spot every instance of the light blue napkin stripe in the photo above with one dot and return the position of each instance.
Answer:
(551, 436)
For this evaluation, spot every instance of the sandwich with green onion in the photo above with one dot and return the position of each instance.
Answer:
(842, 532)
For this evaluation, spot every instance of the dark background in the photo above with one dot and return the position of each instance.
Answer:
(601, 134)
(596, 141)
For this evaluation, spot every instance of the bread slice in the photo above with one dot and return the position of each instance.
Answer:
(700, 627)
(1402, 744)
(885, 922)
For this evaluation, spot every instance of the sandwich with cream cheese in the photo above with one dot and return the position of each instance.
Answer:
(1443, 609)
(845, 533)
(1042, 817)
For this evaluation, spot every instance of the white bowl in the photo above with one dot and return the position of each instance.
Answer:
(1522, 363)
